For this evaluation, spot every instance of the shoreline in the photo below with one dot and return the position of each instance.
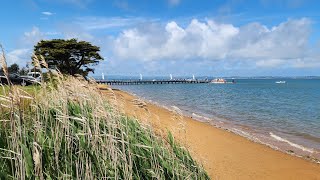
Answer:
(224, 154)
(271, 140)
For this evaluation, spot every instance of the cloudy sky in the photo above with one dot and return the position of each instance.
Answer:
(180, 37)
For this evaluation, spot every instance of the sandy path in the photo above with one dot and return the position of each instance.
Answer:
(223, 154)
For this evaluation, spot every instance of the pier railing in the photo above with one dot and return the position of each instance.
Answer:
(137, 82)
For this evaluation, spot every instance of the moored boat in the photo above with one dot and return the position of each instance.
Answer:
(280, 82)
(219, 81)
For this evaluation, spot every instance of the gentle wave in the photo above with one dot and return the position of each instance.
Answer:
(250, 137)
(243, 133)
(199, 117)
(278, 138)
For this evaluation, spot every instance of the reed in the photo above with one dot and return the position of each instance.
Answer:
(67, 129)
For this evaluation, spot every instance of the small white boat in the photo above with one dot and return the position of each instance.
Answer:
(280, 82)
(219, 81)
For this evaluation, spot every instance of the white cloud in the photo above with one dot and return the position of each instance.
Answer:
(47, 13)
(288, 40)
(209, 40)
(19, 56)
(198, 40)
(32, 37)
(22, 53)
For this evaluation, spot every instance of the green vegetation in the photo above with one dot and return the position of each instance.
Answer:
(69, 56)
(32, 89)
(69, 130)
(14, 68)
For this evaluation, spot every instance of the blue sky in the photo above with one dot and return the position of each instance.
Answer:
(179, 37)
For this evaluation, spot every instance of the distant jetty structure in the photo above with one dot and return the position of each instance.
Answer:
(164, 81)
(137, 81)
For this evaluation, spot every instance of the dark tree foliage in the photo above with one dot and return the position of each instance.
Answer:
(23, 71)
(69, 56)
(14, 68)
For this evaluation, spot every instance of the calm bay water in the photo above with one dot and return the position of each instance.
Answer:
(286, 116)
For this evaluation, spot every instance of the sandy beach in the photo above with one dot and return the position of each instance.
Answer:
(224, 155)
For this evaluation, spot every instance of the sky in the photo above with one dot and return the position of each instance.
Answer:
(179, 37)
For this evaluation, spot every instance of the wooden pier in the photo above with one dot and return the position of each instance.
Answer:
(139, 82)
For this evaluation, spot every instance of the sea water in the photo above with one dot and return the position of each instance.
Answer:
(283, 116)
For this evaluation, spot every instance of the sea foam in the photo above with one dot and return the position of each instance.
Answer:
(278, 138)
(200, 118)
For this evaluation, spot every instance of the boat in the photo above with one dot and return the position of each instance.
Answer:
(280, 82)
(219, 81)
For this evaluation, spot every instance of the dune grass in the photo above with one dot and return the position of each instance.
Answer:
(69, 130)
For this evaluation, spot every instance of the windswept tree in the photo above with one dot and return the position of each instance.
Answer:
(69, 56)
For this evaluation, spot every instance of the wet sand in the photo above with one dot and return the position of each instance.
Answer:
(224, 155)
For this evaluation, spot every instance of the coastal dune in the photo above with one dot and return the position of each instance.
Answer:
(224, 155)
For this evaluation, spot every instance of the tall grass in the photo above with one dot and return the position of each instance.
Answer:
(69, 130)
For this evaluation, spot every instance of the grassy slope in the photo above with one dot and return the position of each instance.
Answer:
(4, 89)
(72, 131)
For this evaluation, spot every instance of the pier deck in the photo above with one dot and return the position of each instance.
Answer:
(137, 82)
